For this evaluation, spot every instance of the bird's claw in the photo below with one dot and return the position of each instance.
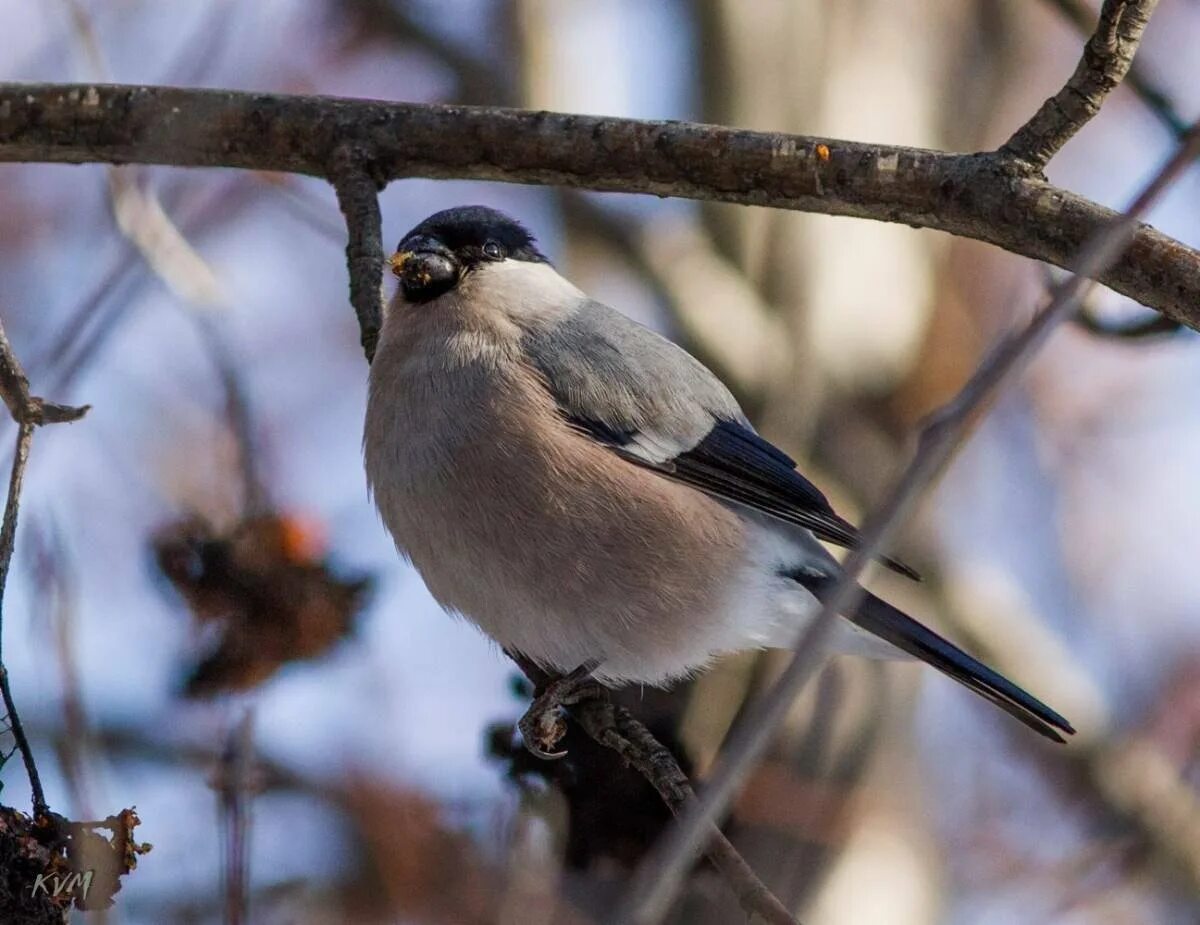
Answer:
(543, 726)
(541, 731)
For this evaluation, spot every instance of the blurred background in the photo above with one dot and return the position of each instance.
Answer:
(207, 620)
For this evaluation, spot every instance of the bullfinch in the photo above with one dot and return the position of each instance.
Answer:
(588, 493)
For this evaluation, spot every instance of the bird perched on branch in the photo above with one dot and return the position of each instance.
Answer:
(588, 493)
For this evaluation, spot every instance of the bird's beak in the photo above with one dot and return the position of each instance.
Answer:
(425, 268)
(397, 262)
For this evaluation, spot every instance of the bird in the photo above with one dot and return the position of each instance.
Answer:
(589, 494)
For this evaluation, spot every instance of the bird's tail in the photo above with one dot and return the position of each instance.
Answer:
(885, 621)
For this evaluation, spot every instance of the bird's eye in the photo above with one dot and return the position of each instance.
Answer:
(493, 250)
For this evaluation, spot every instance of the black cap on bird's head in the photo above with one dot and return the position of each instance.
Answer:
(434, 256)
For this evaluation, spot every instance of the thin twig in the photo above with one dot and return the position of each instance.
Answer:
(1151, 327)
(137, 211)
(7, 539)
(1106, 58)
(170, 256)
(255, 498)
(29, 412)
(98, 313)
(1157, 100)
(658, 879)
(23, 406)
(235, 786)
(143, 221)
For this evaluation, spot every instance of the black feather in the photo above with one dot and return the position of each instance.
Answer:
(465, 229)
(885, 621)
(735, 463)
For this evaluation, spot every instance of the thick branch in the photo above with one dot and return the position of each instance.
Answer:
(978, 196)
(1107, 57)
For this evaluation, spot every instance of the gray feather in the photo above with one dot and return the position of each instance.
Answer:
(658, 406)
(627, 384)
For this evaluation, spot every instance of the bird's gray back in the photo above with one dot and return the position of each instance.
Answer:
(626, 381)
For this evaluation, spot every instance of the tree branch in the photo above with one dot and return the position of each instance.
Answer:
(658, 879)
(983, 196)
(1107, 57)
(29, 412)
(615, 728)
(1150, 327)
(358, 198)
(24, 407)
(1080, 15)
(236, 788)
(7, 535)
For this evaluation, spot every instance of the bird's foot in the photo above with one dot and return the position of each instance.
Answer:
(543, 726)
